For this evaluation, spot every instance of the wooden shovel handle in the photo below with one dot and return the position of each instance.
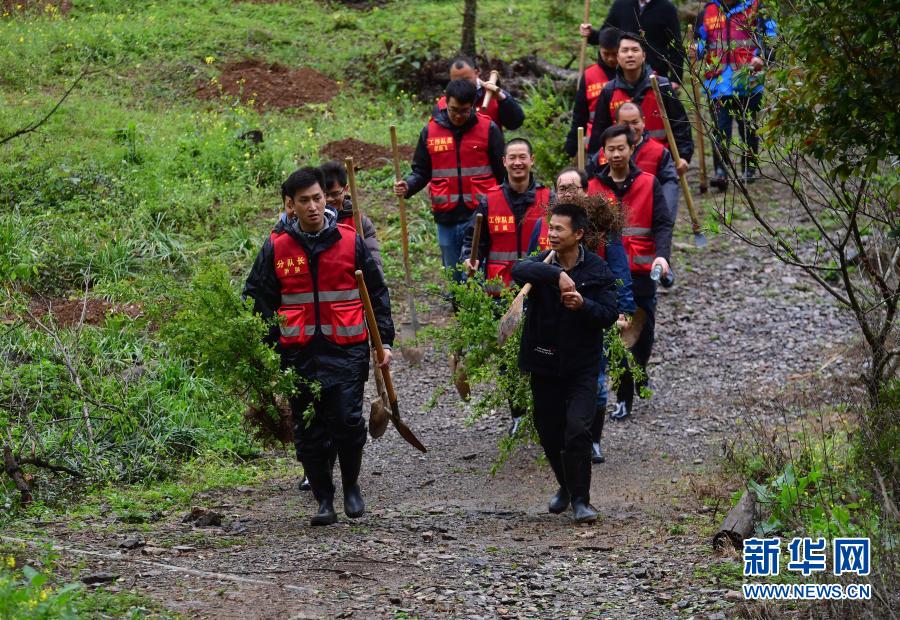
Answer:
(698, 118)
(375, 335)
(354, 196)
(580, 154)
(489, 94)
(476, 241)
(583, 51)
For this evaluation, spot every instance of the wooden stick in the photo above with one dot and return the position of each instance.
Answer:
(476, 240)
(688, 199)
(489, 94)
(354, 196)
(580, 154)
(583, 51)
(698, 118)
(404, 235)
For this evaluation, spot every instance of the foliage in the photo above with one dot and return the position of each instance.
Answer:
(28, 593)
(546, 113)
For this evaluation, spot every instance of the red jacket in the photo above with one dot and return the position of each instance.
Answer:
(459, 168)
(510, 239)
(331, 304)
(637, 234)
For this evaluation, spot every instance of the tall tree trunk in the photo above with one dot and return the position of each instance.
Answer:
(468, 29)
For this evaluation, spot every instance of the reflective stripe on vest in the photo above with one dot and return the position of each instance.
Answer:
(637, 235)
(339, 310)
(459, 170)
(503, 256)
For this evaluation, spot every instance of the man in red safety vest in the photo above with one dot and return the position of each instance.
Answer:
(502, 108)
(592, 82)
(632, 83)
(460, 156)
(647, 237)
(304, 275)
(510, 212)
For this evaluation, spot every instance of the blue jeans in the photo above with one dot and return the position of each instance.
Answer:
(450, 239)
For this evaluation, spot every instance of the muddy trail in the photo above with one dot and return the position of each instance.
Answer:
(442, 537)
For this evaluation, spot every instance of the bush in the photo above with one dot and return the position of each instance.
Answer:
(546, 111)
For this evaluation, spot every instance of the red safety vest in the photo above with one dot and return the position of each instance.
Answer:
(595, 78)
(459, 169)
(653, 122)
(330, 305)
(647, 156)
(492, 110)
(509, 242)
(729, 39)
(637, 234)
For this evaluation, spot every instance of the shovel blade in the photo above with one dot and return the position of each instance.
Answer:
(510, 320)
(631, 334)
(404, 430)
(700, 240)
(378, 419)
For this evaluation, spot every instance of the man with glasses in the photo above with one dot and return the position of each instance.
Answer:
(460, 157)
(337, 198)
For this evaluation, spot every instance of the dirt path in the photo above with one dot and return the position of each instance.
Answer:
(442, 538)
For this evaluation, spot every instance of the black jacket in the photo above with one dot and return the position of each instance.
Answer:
(580, 112)
(421, 163)
(345, 216)
(511, 113)
(661, 30)
(320, 360)
(557, 341)
(681, 126)
(518, 203)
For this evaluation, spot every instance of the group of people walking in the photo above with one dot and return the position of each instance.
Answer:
(587, 273)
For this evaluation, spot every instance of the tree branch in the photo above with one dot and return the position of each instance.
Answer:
(37, 124)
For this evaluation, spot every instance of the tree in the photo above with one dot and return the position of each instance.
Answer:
(468, 29)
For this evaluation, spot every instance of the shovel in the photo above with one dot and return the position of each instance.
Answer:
(412, 354)
(699, 237)
(489, 94)
(457, 370)
(513, 316)
(401, 427)
(580, 155)
(630, 334)
(583, 50)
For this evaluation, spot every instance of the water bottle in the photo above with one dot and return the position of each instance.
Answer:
(656, 272)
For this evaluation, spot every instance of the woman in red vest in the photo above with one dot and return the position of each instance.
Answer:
(304, 275)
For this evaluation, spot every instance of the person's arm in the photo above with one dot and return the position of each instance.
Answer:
(602, 119)
(535, 271)
(511, 113)
(421, 166)
(264, 287)
(371, 239)
(617, 260)
(496, 144)
(681, 126)
(580, 117)
(484, 244)
(662, 222)
(599, 300)
(378, 292)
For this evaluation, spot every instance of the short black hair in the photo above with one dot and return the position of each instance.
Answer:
(576, 213)
(519, 141)
(614, 131)
(302, 178)
(581, 175)
(630, 36)
(461, 90)
(608, 38)
(631, 103)
(462, 61)
(334, 172)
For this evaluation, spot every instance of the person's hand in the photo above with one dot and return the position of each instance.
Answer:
(400, 188)
(682, 166)
(470, 267)
(623, 322)
(659, 260)
(386, 361)
(585, 30)
(675, 86)
(572, 300)
(566, 284)
(756, 63)
(692, 51)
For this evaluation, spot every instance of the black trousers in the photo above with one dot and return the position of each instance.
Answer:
(642, 349)
(564, 410)
(337, 424)
(743, 109)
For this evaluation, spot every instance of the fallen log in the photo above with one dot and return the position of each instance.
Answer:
(14, 471)
(738, 524)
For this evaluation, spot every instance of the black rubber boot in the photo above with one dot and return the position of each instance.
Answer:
(596, 434)
(319, 474)
(560, 501)
(351, 463)
(578, 481)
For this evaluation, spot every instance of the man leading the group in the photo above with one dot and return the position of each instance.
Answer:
(460, 156)
(305, 275)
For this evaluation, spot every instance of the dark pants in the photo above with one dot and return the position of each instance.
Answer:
(602, 397)
(645, 298)
(336, 426)
(564, 411)
(742, 109)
